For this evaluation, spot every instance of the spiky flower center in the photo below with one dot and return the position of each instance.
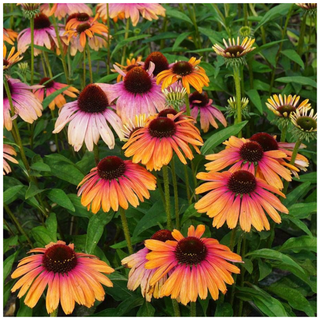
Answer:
(266, 141)
(190, 251)
(41, 21)
(92, 99)
(234, 50)
(251, 151)
(199, 99)
(307, 123)
(83, 16)
(163, 235)
(111, 167)
(48, 84)
(128, 68)
(165, 112)
(162, 127)
(159, 60)
(286, 110)
(59, 258)
(242, 182)
(83, 27)
(137, 80)
(182, 68)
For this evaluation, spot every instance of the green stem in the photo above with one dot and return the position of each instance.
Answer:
(176, 309)
(283, 134)
(236, 76)
(233, 291)
(243, 270)
(17, 224)
(167, 196)
(108, 54)
(175, 192)
(164, 29)
(125, 47)
(96, 154)
(232, 239)
(245, 14)
(263, 33)
(193, 309)
(186, 98)
(56, 140)
(301, 39)
(84, 69)
(89, 62)
(32, 48)
(126, 229)
(48, 64)
(186, 175)
(43, 64)
(194, 175)
(54, 313)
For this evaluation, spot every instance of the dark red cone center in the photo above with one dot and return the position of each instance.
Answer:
(111, 167)
(191, 251)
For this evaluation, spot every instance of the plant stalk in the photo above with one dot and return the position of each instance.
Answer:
(175, 192)
(126, 229)
(167, 196)
(32, 48)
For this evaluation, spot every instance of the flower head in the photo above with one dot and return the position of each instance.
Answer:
(159, 60)
(310, 8)
(139, 275)
(30, 9)
(25, 104)
(131, 126)
(12, 57)
(70, 276)
(175, 95)
(246, 31)
(249, 155)
(8, 152)
(234, 51)
(60, 10)
(231, 109)
(169, 132)
(239, 195)
(138, 93)
(304, 124)
(49, 87)
(188, 72)
(197, 265)
(131, 63)
(199, 102)
(115, 183)
(89, 117)
(9, 36)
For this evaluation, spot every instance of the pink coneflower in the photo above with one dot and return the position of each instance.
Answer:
(70, 276)
(89, 117)
(139, 275)
(199, 102)
(239, 196)
(8, 152)
(198, 265)
(138, 93)
(131, 63)
(44, 35)
(249, 155)
(149, 11)
(60, 10)
(50, 87)
(25, 104)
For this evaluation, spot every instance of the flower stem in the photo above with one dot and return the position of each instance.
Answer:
(243, 270)
(125, 37)
(108, 54)
(43, 64)
(233, 291)
(89, 62)
(301, 39)
(48, 64)
(84, 70)
(236, 76)
(176, 309)
(186, 175)
(167, 196)
(175, 192)
(232, 239)
(55, 136)
(195, 181)
(96, 154)
(186, 98)
(32, 48)
(283, 133)
(54, 313)
(126, 229)
(193, 309)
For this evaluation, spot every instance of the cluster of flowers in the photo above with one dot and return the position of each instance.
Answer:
(152, 109)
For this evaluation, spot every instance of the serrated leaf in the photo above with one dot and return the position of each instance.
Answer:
(59, 197)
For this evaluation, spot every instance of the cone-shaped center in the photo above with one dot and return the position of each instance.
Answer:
(190, 251)
(234, 50)
(41, 21)
(159, 60)
(162, 127)
(92, 99)
(165, 112)
(137, 80)
(266, 141)
(128, 68)
(163, 235)
(5, 62)
(182, 68)
(307, 123)
(83, 27)
(59, 258)
(199, 99)
(242, 182)
(83, 16)
(48, 84)
(286, 110)
(111, 167)
(251, 151)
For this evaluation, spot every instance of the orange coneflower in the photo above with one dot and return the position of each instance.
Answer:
(169, 132)
(71, 277)
(249, 155)
(114, 183)
(139, 275)
(9, 36)
(131, 63)
(12, 57)
(238, 196)
(198, 264)
(189, 72)
(8, 152)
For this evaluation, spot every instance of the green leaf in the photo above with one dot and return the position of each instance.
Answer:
(7, 291)
(24, 311)
(52, 225)
(264, 269)
(221, 136)
(292, 55)
(296, 194)
(179, 39)
(42, 235)
(80, 210)
(190, 212)
(213, 35)
(298, 79)
(108, 78)
(255, 98)
(174, 13)
(295, 299)
(40, 166)
(248, 265)
(300, 224)
(224, 310)
(302, 210)
(9, 243)
(32, 190)
(52, 96)
(300, 243)
(59, 196)
(42, 48)
(10, 194)
(275, 12)
(7, 265)
(146, 310)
